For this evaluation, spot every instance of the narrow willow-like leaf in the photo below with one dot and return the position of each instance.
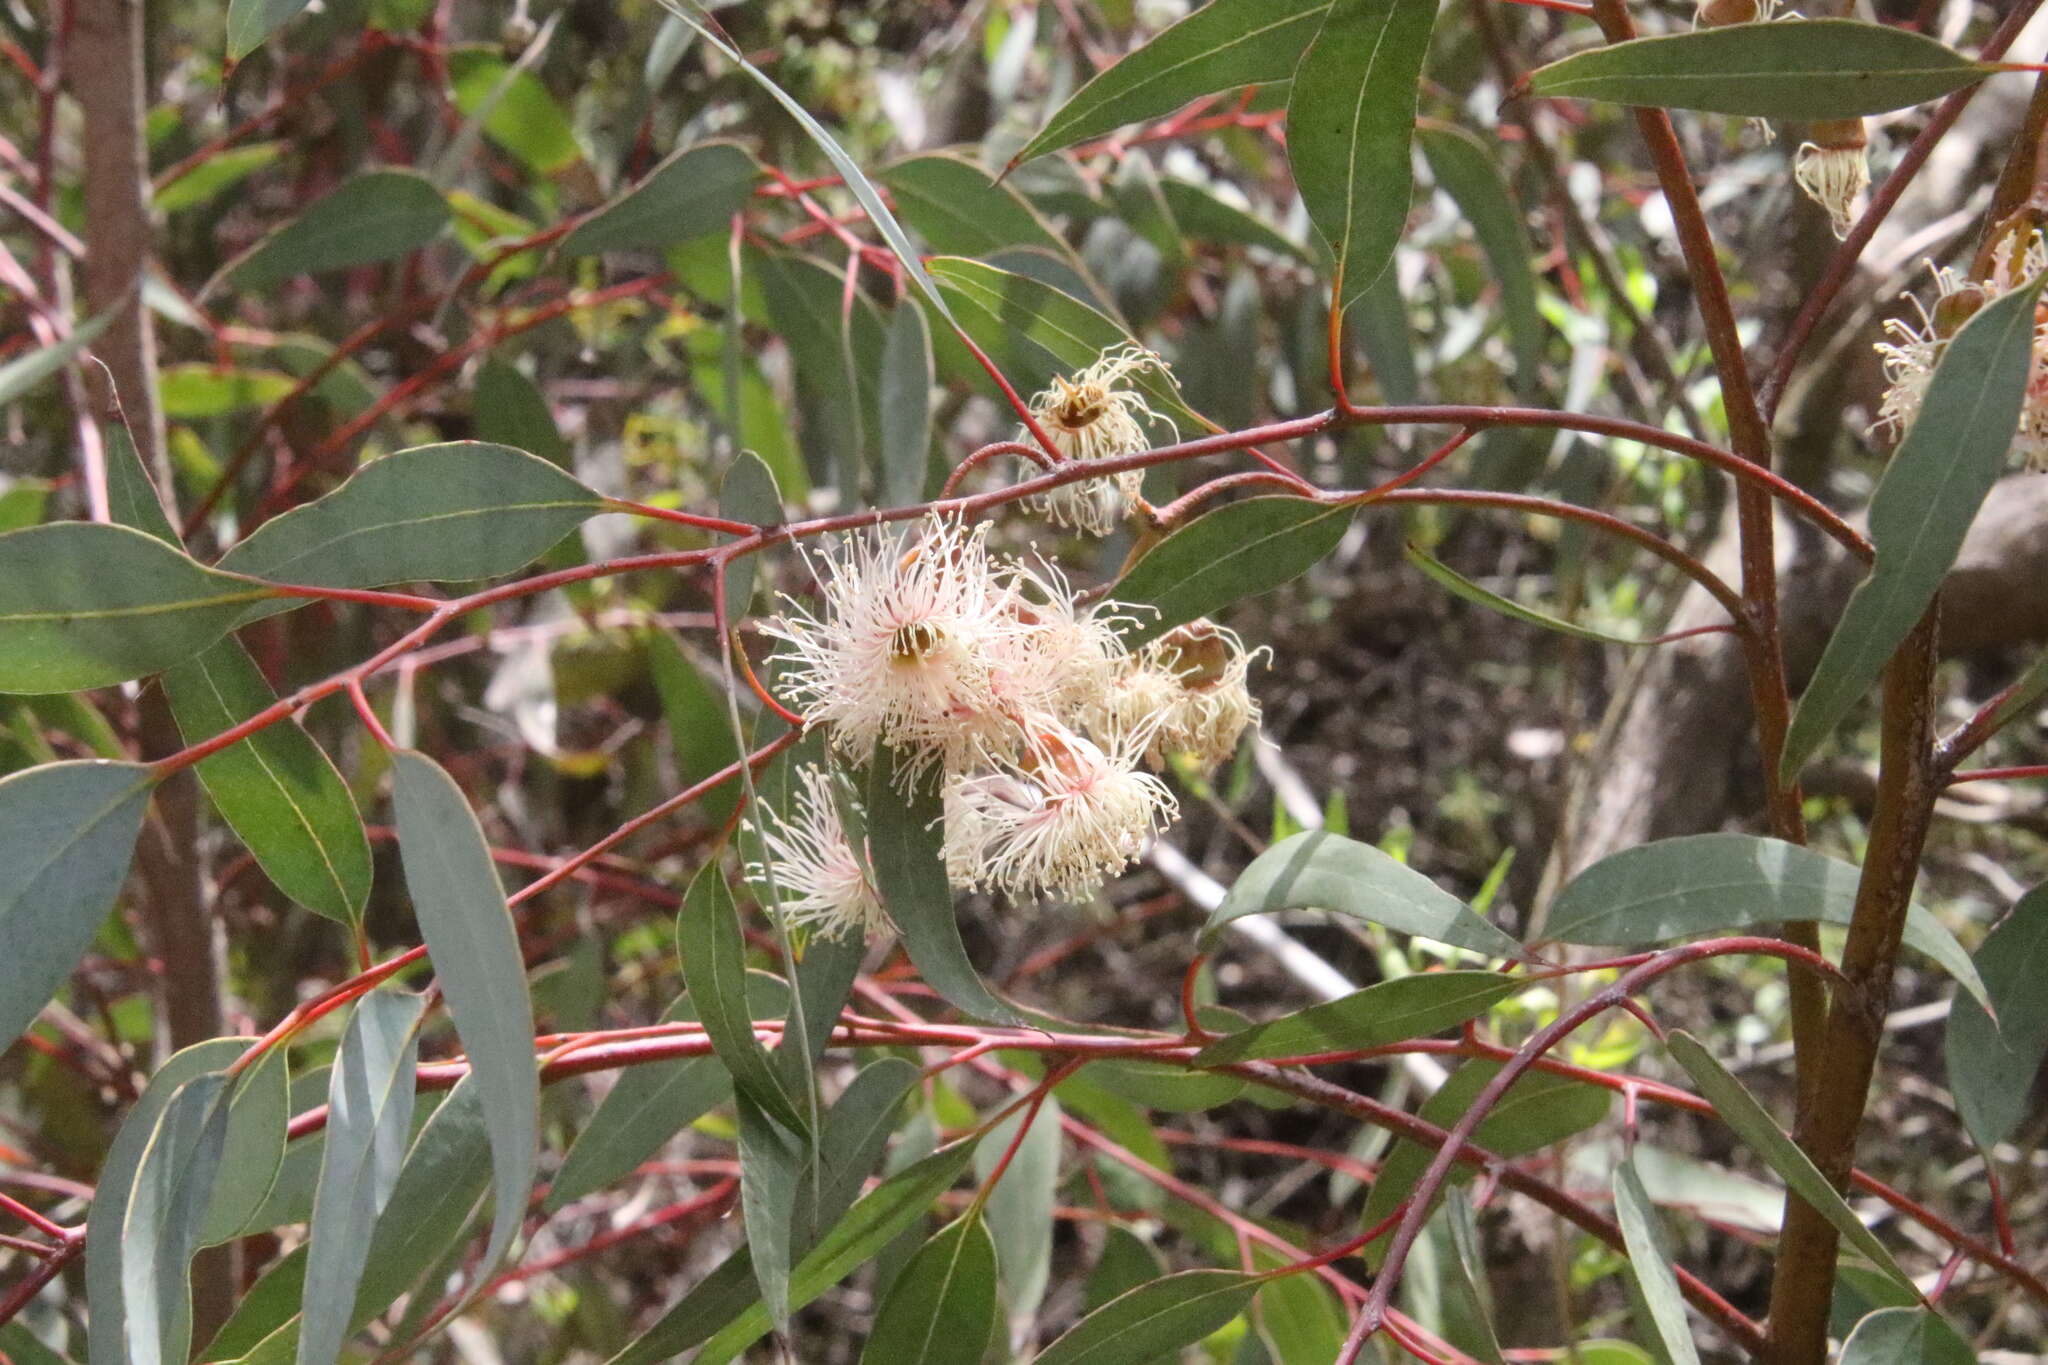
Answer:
(439, 513)
(906, 407)
(444, 1178)
(951, 203)
(67, 835)
(475, 950)
(216, 175)
(699, 732)
(85, 604)
(856, 1130)
(1390, 1012)
(1222, 45)
(773, 1160)
(1461, 586)
(1468, 170)
(1650, 1261)
(1797, 70)
(714, 967)
(23, 373)
(1468, 1274)
(1992, 1065)
(369, 1117)
(1201, 214)
(1905, 1336)
(259, 1108)
(837, 354)
(277, 789)
(941, 1309)
(373, 217)
(747, 493)
(1317, 870)
(166, 1205)
(904, 837)
(510, 410)
(692, 193)
(1350, 123)
(1021, 1206)
(1165, 1315)
(1923, 507)
(1753, 1124)
(1673, 889)
(1221, 557)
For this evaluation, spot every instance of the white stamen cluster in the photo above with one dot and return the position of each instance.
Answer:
(1094, 416)
(1834, 177)
(1023, 700)
(1914, 348)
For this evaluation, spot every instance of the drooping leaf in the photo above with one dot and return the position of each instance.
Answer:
(67, 834)
(747, 493)
(259, 1108)
(1753, 1124)
(906, 408)
(1797, 70)
(1469, 171)
(1020, 1207)
(713, 1303)
(692, 193)
(904, 840)
(698, 729)
(1905, 1336)
(438, 513)
(1204, 215)
(1992, 1065)
(23, 373)
(372, 217)
(1390, 1012)
(1467, 1276)
(84, 604)
(1680, 888)
(1461, 586)
(1221, 557)
(445, 1176)
(252, 21)
(954, 205)
(1165, 1086)
(773, 1162)
(277, 789)
(1319, 870)
(1169, 1313)
(1650, 1261)
(1222, 45)
(837, 353)
(1923, 505)
(166, 1205)
(941, 1309)
(369, 1117)
(474, 946)
(1350, 123)
(714, 967)
(856, 1130)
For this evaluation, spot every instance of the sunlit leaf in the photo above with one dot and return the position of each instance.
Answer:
(1393, 1011)
(1650, 1261)
(514, 108)
(252, 21)
(1461, 586)
(1175, 1311)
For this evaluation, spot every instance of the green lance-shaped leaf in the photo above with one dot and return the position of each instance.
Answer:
(166, 1206)
(941, 1308)
(67, 834)
(1739, 1110)
(1460, 586)
(1905, 1336)
(773, 1163)
(906, 386)
(259, 1109)
(1165, 1315)
(837, 354)
(698, 729)
(1390, 1012)
(369, 1117)
(475, 950)
(1468, 170)
(444, 1177)
(1992, 1065)
(1221, 46)
(1204, 216)
(1317, 870)
(83, 604)
(373, 217)
(713, 953)
(216, 175)
(1221, 557)
(1797, 70)
(1468, 1275)
(857, 1128)
(505, 101)
(747, 493)
(1923, 507)
(1020, 1207)
(1350, 123)
(132, 496)
(951, 203)
(1649, 1255)
(904, 839)
(23, 373)
(439, 513)
(1673, 889)
(693, 192)
(277, 789)
(511, 410)
(252, 21)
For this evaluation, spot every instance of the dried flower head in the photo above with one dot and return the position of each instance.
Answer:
(823, 884)
(1060, 820)
(1834, 170)
(1188, 688)
(1094, 416)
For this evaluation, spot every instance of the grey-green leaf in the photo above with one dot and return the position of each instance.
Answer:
(166, 1205)
(747, 493)
(132, 497)
(1649, 1255)
(1992, 1065)
(258, 1111)
(438, 513)
(277, 789)
(1222, 45)
(1798, 70)
(713, 953)
(1468, 170)
(1390, 1012)
(23, 373)
(85, 604)
(941, 1309)
(252, 21)
(1740, 1111)
(954, 206)
(1021, 1206)
(1671, 889)
(67, 834)
(1221, 557)
(906, 407)
(375, 216)
(1350, 123)
(1923, 506)
(773, 1160)
(693, 192)
(1165, 1315)
(1460, 586)
(1322, 871)
(1905, 1336)
(475, 950)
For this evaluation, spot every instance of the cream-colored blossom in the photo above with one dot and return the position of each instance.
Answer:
(1835, 177)
(1097, 415)
(1188, 691)
(823, 884)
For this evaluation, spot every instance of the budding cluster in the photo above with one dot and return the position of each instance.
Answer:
(992, 675)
